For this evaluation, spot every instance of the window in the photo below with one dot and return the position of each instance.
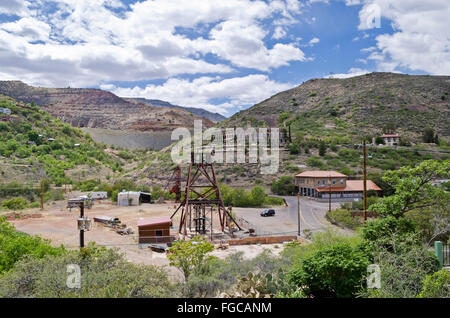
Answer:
(334, 181)
(158, 232)
(323, 181)
(342, 181)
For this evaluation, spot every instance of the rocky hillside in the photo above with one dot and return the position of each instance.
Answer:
(34, 144)
(215, 117)
(350, 108)
(95, 108)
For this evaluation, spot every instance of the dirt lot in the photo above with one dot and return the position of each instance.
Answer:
(59, 225)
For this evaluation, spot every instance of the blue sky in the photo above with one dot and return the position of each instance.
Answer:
(219, 55)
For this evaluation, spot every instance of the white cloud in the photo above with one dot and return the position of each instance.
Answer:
(241, 91)
(420, 40)
(278, 33)
(353, 2)
(368, 49)
(351, 73)
(91, 44)
(28, 28)
(13, 7)
(314, 41)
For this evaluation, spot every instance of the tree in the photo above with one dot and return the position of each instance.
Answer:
(336, 270)
(428, 135)
(294, 149)
(436, 139)
(157, 192)
(34, 136)
(322, 149)
(258, 196)
(379, 140)
(403, 269)
(189, 256)
(414, 190)
(386, 232)
(284, 186)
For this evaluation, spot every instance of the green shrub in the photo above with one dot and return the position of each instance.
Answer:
(343, 218)
(315, 162)
(157, 192)
(15, 245)
(335, 270)
(404, 266)
(384, 232)
(105, 274)
(273, 201)
(34, 205)
(294, 149)
(436, 285)
(15, 204)
(284, 186)
(125, 155)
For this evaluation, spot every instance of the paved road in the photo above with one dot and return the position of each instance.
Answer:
(285, 220)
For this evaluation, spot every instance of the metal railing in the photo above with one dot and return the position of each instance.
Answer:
(446, 254)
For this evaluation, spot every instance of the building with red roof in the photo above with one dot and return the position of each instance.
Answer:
(321, 184)
(155, 230)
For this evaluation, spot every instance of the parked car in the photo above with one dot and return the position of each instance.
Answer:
(268, 212)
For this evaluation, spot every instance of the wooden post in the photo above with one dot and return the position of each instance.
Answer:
(299, 213)
(42, 194)
(82, 231)
(329, 194)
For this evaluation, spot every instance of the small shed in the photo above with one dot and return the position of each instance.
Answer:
(127, 198)
(155, 230)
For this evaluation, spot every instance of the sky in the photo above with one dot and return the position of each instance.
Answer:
(220, 55)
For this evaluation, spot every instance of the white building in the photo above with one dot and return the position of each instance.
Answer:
(127, 198)
(391, 139)
(5, 111)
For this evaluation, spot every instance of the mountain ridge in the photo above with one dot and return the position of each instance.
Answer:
(215, 117)
(358, 105)
(96, 108)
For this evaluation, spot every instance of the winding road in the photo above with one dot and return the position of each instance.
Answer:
(285, 221)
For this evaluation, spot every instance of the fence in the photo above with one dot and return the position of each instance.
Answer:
(442, 252)
(446, 255)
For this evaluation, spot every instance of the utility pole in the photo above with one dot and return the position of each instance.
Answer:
(84, 224)
(364, 181)
(298, 213)
(329, 194)
(81, 229)
(42, 194)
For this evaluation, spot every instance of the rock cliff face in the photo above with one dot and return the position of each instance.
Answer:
(215, 117)
(95, 108)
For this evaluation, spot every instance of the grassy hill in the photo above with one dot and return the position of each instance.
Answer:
(344, 110)
(34, 144)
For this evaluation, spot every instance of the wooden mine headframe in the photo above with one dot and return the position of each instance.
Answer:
(202, 195)
(175, 179)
